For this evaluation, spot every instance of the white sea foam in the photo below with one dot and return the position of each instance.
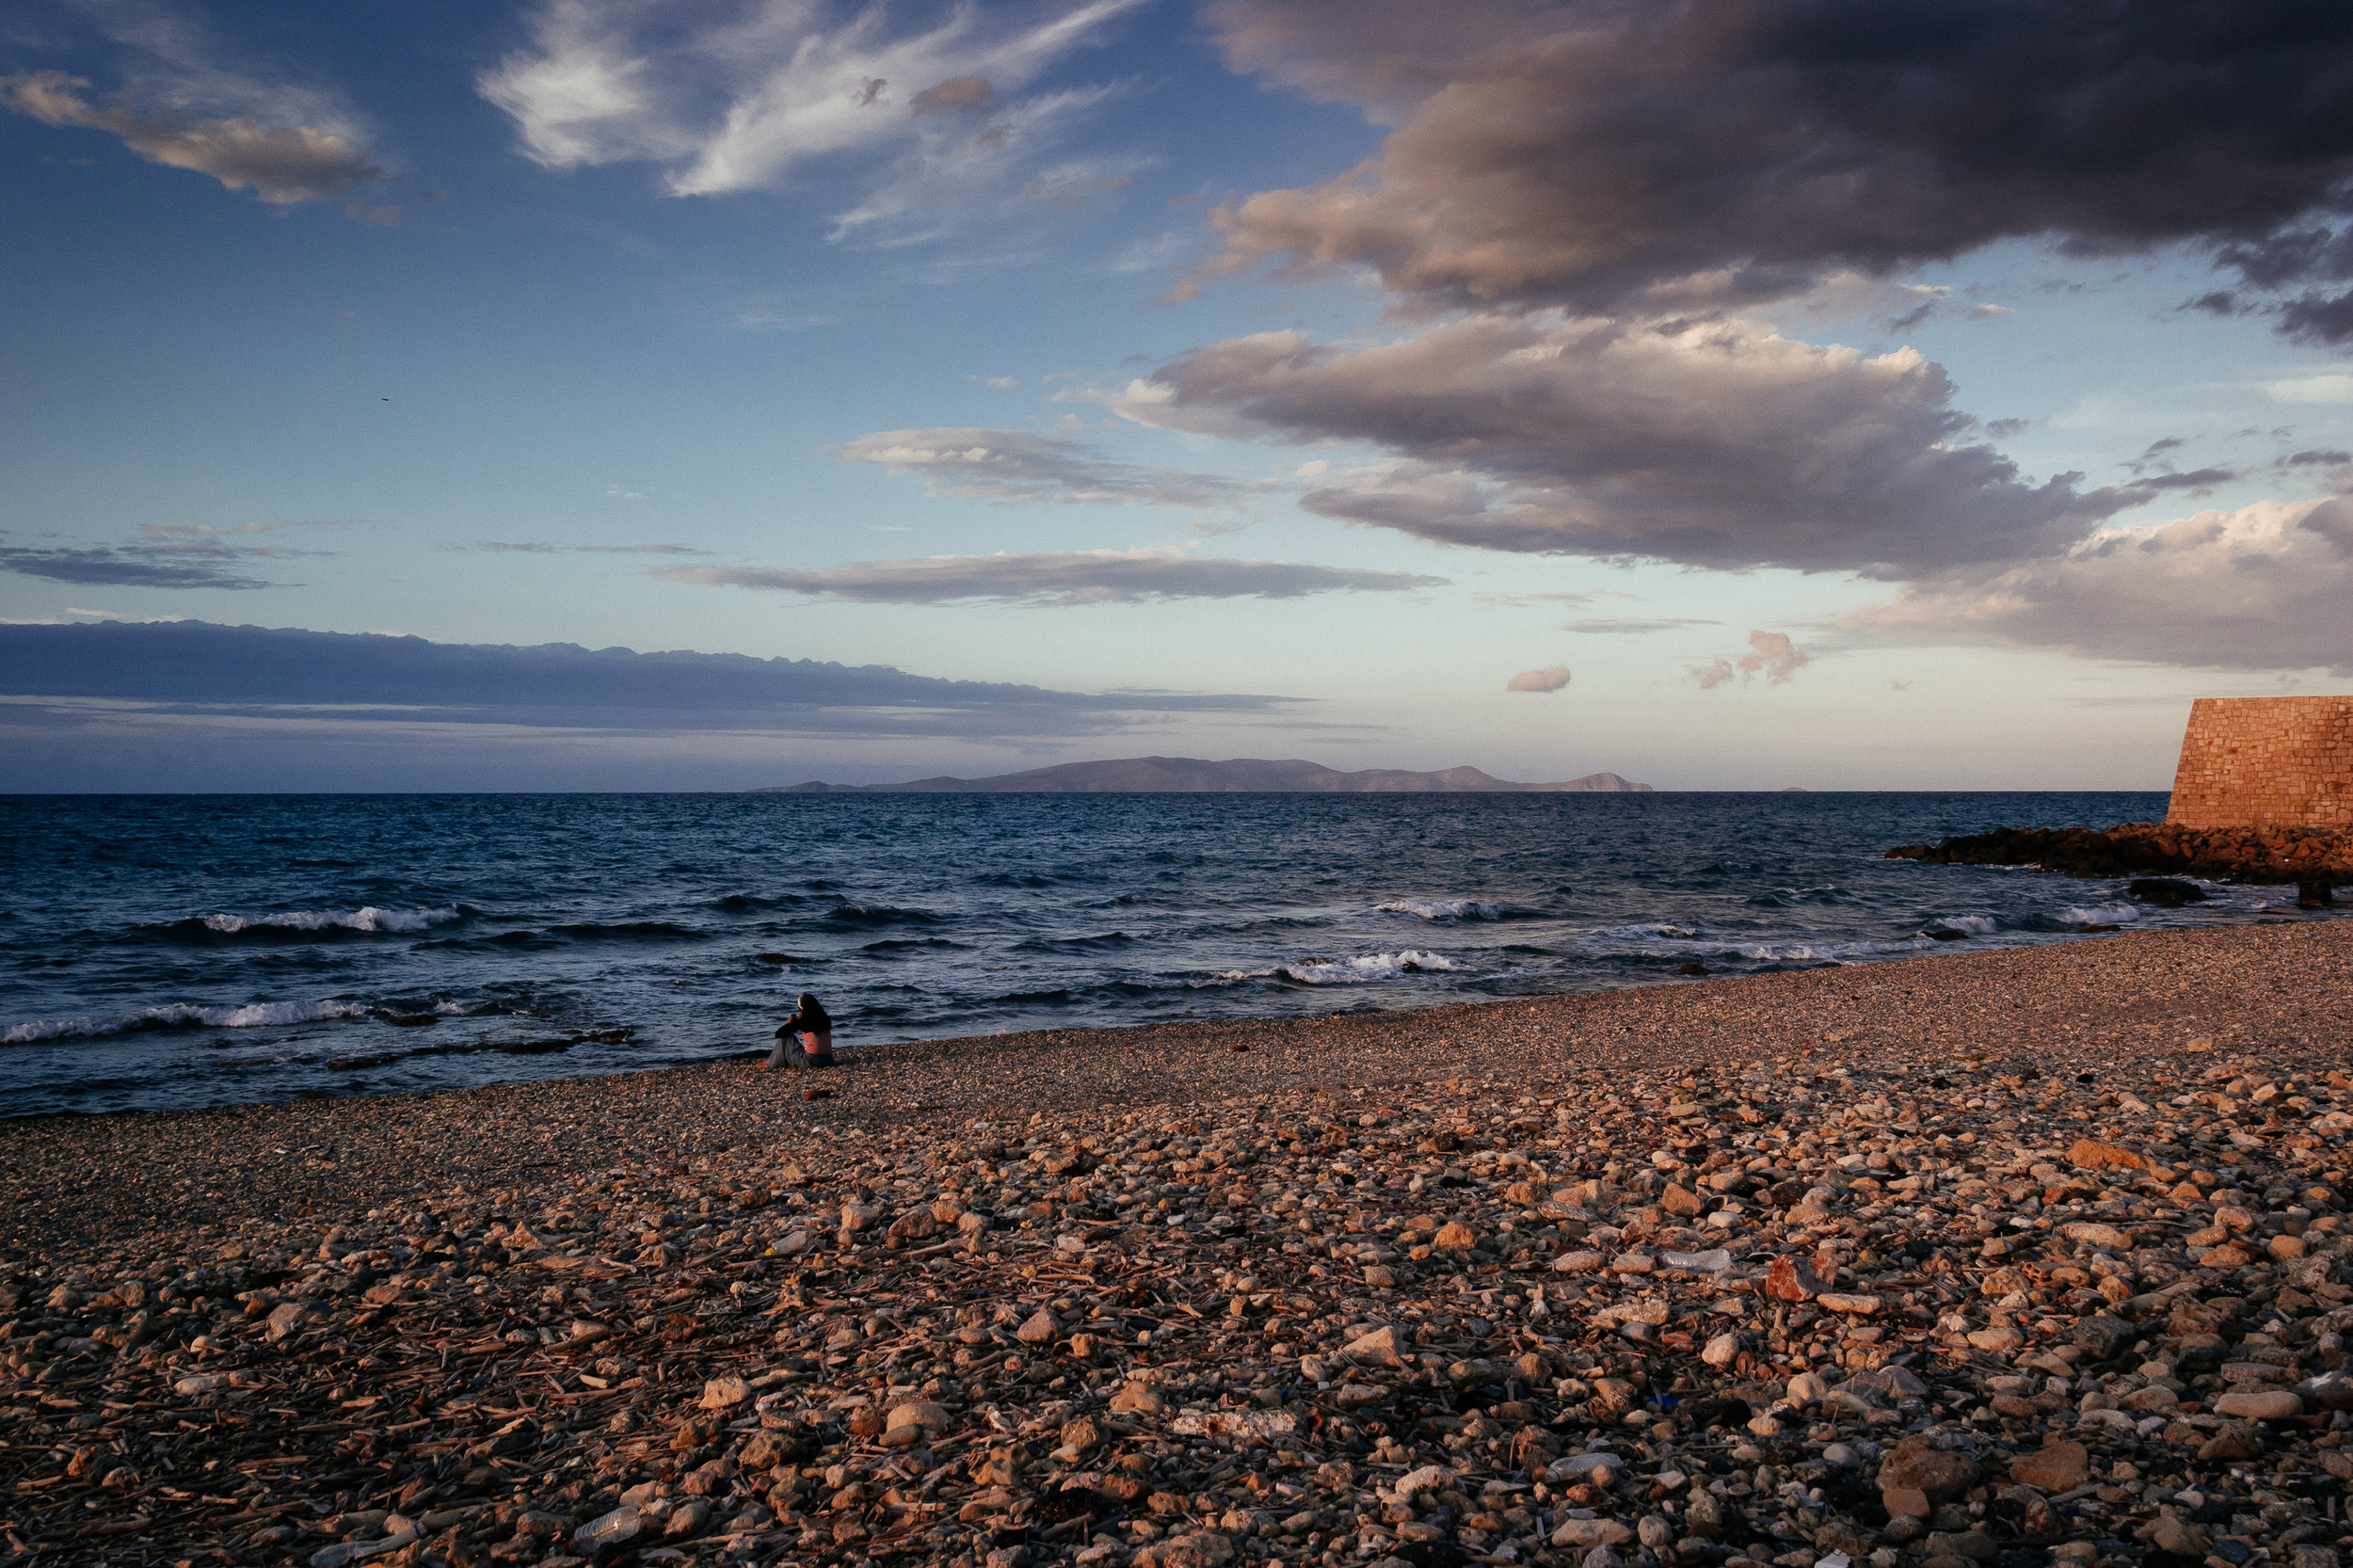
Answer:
(1442, 909)
(1655, 931)
(1982, 925)
(2099, 913)
(1358, 970)
(368, 919)
(259, 1014)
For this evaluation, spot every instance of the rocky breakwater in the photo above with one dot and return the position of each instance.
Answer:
(1766, 1313)
(2312, 858)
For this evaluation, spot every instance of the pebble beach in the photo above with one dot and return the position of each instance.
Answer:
(2010, 1257)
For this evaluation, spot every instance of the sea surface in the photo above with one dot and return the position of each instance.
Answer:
(188, 951)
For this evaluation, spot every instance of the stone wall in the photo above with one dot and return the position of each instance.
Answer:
(2267, 761)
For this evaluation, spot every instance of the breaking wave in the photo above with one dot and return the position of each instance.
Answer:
(297, 922)
(1352, 971)
(260, 1015)
(1443, 909)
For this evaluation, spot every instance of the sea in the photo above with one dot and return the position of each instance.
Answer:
(173, 952)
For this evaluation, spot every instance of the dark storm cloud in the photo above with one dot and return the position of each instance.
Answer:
(1615, 156)
(222, 671)
(1719, 444)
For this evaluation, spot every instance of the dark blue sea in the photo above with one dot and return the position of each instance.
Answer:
(188, 951)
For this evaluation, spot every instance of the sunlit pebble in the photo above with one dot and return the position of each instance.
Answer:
(1459, 1277)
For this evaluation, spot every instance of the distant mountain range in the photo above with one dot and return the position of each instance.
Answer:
(1192, 776)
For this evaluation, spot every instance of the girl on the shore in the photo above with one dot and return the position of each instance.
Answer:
(814, 1046)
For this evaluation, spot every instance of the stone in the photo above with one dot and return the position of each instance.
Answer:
(2054, 1467)
(2270, 1405)
(2177, 1536)
(1588, 1533)
(1681, 1201)
(1791, 1279)
(2238, 1440)
(1454, 1236)
(1719, 1352)
(1137, 1399)
(2092, 1155)
(1378, 1347)
(1967, 1545)
(1041, 1329)
(725, 1393)
(1917, 1463)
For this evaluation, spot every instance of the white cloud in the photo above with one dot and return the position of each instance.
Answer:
(1058, 579)
(1552, 678)
(2335, 388)
(2260, 588)
(745, 94)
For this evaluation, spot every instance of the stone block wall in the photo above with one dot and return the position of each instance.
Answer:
(2267, 761)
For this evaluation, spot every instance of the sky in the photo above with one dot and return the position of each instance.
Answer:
(716, 393)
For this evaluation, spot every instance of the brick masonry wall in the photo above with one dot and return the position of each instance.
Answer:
(2267, 761)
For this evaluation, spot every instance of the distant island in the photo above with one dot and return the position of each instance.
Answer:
(1243, 775)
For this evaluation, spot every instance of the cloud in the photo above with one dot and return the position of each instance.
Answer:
(1629, 627)
(1771, 654)
(745, 95)
(198, 669)
(1059, 578)
(533, 547)
(1017, 466)
(2264, 588)
(183, 106)
(2334, 387)
(163, 555)
(1717, 444)
(1552, 678)
(1615, 156)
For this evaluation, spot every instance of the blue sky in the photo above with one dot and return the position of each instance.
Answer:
(1293, 373)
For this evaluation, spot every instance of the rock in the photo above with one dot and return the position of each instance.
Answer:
(1041, 1329)
(2237, 1440)
(1377, 1349)
(1792, 1279)
(2271, 1404)
(2054, 1467)
(919, 1413)
(725, 1393)
(285, 1319)
(1587, 1533)
(1967, 1545)
(1454, 1236)
(688, 1520)
(1136, 1399)
(1719, 1350)
(1681, 1201)
(2090, 1154)
(1805, 1388)
(1580, 1261)
(1917, 1463)
(2178, 1537)
(1862, 1306)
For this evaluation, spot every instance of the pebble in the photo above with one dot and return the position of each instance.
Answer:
(1926, 1307)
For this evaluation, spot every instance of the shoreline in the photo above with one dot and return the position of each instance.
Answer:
(1827, 1011)
(1931, 1262)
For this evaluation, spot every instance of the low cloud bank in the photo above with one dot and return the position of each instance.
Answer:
(1059, 578)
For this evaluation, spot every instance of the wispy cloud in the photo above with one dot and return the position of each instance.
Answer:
(538, 547)
(200, 670)
(747, 95)
(1020, 466)
(184, 104)
(1627, 627)
(165, 555)
(1059, 578)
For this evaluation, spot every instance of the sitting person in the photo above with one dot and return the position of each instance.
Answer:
(814, 1048)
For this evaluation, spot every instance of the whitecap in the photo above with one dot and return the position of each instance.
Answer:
(1442, 909)
(368, 919)
(259, 1014)
(2099, 913)
(1358, 970)
(1977, 925)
